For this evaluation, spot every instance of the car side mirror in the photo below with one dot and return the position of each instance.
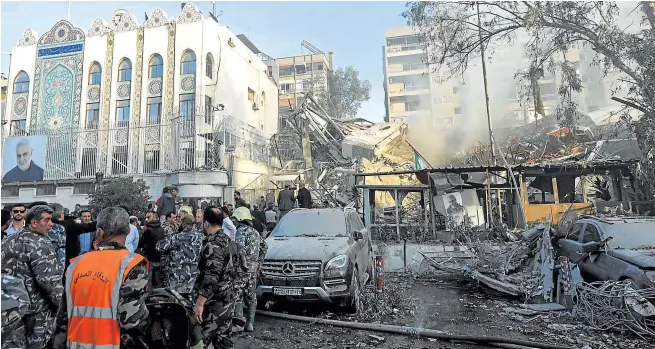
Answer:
(592, 246)
(358, 234)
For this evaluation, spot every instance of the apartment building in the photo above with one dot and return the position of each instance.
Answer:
(300, 74)
(595, 93)
(413, 92)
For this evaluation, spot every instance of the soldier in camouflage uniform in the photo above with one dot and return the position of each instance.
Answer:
(170, 225)
(170, 229)
(183, 249)
(251, 249)
(57, 234)
(15, 302)
(133, 315)
(215, 283)
(30, 255)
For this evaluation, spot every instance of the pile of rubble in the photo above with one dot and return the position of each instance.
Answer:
(341, 148)
(525, 269)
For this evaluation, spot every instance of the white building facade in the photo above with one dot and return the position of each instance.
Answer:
(161, 100)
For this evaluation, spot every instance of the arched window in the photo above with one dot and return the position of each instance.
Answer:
(188, 62)
(125, 70)
(95, 74)
(210, 65)
(22, 83)
(156, 66)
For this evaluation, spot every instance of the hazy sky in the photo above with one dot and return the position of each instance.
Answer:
(354, 31)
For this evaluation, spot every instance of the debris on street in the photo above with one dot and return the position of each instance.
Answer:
(393, 302)
(617, 306)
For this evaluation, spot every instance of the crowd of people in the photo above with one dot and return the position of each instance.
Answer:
(74, 282)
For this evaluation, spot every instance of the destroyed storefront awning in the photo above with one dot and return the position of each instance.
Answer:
(285, 177)
(444, 181)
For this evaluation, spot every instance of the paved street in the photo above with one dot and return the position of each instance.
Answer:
(448, 305)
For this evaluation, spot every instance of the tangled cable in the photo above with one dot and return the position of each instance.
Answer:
(616, 305)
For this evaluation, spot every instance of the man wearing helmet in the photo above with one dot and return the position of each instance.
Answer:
(251, 249)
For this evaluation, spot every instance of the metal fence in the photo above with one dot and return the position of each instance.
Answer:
(186, 141)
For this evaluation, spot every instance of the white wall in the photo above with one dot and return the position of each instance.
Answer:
(155, 40)
(22, 58)
(64, 196)
(241, 69)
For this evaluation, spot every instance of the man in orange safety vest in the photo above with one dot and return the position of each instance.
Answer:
(105, 291)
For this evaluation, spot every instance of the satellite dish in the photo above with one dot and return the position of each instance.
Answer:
(118, 15)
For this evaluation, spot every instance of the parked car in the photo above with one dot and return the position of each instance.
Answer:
(317, 255)
(627, 254)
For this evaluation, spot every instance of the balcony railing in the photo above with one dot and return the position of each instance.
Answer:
(406, 47)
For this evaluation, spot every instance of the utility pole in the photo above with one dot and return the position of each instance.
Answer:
(486, 91)
(69, 11)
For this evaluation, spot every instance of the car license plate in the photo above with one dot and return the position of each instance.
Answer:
(287, 291)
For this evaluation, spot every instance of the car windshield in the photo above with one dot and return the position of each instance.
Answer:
(637, 235)
(312, 223)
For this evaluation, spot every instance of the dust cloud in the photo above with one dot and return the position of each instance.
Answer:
(437, 140)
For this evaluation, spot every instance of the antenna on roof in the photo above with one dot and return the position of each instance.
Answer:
(212, 13)
(182, 5)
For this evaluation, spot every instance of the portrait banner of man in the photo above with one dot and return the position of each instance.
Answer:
(456, 212)
(24, 158)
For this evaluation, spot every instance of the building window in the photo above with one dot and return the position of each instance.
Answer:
(125, 70)
(95, 74)
(458, 111)
(449, 120)
(18, 127)
(209, 110)
(22, 83)
(46, 189)
(286, 88)
(412, 106)
(301, 69)
(188, 62)
(156, 66)
(92, 116)
(122, 113)
(119, 160)
(187, 105)
(88, 162)
(251, 94)
(151, 162)
(455, 90)
(286, 71)
(413, 66)
(83, 188)
(314, 66)
(210, 65)
(154, 111)
(9, 191)
(263, 101)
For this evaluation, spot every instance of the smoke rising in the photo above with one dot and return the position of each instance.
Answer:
(437, 140)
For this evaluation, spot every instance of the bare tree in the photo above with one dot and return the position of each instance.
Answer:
(547, 30)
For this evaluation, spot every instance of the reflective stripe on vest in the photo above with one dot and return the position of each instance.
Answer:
(90, 346)
(92, 318)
